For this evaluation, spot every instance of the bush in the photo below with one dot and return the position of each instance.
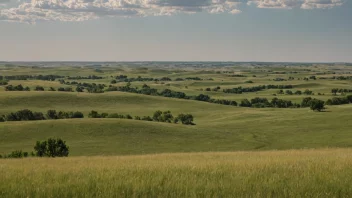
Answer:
(77, 114)
(39, 88)
(24, 115)
(186, 119)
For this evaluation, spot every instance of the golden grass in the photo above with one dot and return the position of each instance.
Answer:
(293, 173)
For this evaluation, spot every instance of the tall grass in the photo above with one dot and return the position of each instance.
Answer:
(294, 173)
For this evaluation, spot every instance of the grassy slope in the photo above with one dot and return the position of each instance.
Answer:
(303, 173)
(219, 128)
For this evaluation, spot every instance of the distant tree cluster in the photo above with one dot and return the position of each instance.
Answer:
(90, 77)
(213, 89)
(31, 77)
(53, 147)
(158, 116)
(90, 87)
(4, 82)
(240, 90)
(238, 75)
(28, 115)
(124, 78)
(298, 92)
(339, 100)
(16, 88)
(264, 103)
(341, 91)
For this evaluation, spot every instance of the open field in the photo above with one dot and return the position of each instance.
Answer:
(218, 127)
(293, 173)
(231, 150)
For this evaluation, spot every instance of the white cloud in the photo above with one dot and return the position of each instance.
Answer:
(31, 11)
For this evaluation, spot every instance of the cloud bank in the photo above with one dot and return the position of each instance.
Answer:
(30, 11)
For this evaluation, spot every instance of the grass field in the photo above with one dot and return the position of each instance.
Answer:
(231, 151)
(293, 173)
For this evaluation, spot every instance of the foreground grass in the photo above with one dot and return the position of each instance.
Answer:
(294, 173)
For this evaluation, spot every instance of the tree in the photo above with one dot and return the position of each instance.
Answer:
(349, 98)
(317, 105)
(334, 91)
(157, 116)
(113, 82)
(51, 114)
(306, 102)
(245, 103)
(186, 119)
(79, 89)
(94, 114)
(39, 88)
(77, 114)
(51, 148)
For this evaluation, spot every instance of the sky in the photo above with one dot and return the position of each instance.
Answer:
(176, 30)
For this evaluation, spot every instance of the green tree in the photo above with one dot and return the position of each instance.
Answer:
(186, 119)
(51, 148)
(317, 105)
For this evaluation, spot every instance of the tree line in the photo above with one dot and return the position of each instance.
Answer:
(240, 90)
(147, 90)
(158, 116)
(28, 115)
(90, 77)
(298, 92)
(336, 90)
(31, 77)
(124, 78)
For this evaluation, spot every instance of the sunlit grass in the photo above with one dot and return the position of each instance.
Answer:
(293, 173)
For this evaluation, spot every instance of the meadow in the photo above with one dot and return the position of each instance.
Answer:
(292, 173)
(231, 150)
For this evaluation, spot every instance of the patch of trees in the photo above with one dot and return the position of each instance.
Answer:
(4, 82)
(158, 116)
(90, 77)
(240, 90)
(49, 148)
(90, 87)
(342, 77)
(65, 89)
(313, 103)
(193, 78)
(28, 115)
(265, 103)
(213, 89)
(279, 79)
(298, 92)
(238, 75)
(39, 88)
(31, 77)
(339, 100)
(16, 88)
(124, 78)
(336, 90)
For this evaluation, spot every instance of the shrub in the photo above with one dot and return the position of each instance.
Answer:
(39, 88)
(186, 119)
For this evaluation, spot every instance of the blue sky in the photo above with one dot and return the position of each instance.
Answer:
(176, 30)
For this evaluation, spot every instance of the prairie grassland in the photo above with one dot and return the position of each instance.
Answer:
(292, 173)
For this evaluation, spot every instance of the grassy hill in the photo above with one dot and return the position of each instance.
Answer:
(218, 127)
(303, 173)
